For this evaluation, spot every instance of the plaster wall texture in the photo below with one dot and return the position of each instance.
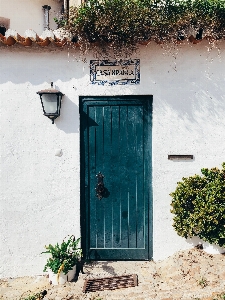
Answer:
(40, 197)
(27, 14)
(75, 2)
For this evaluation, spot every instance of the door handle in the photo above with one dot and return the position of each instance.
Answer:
(100, 189)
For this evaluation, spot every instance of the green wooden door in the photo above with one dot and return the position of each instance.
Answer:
(116, 141)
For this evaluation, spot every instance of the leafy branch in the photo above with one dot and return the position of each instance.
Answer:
(124, 23)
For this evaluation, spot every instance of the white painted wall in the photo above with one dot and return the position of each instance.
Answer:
(40, 201)
(29, 14)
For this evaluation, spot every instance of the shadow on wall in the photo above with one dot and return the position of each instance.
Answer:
(69, 117)
(22, 70)
(21, 66)
(202, 105)
(187, 83)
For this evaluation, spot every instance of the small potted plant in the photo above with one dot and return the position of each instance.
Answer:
(61, 265)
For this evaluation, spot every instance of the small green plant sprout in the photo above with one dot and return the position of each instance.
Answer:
(64, 256)
(36, 296)
(203, 282)
(220, 297)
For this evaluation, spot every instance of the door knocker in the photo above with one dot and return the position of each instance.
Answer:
(100, 189)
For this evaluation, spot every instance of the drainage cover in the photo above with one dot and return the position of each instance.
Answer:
(110, 283)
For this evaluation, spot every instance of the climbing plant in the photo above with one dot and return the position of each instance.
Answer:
(198, 205)
(124, 23)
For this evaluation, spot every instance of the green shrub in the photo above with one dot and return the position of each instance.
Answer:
(198, 206)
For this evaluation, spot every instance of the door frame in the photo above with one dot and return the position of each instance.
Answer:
(84, 209)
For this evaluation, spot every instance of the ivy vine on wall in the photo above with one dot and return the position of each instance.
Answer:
(198, 206)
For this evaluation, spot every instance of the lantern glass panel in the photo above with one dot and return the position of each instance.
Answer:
(50, 103)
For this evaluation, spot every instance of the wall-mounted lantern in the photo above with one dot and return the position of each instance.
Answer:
(51, 102)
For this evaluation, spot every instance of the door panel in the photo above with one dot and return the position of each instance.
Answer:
(116, 141)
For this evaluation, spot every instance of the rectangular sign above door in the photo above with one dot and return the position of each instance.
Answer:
(114, 72)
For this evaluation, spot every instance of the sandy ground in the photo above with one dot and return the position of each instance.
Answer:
(190, 274)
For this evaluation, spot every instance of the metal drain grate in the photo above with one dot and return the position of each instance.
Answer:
(110, 283)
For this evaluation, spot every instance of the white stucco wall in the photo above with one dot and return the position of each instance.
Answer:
(40, 201)
(29, 14)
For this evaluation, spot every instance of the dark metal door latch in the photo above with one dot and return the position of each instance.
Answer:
(100, 189)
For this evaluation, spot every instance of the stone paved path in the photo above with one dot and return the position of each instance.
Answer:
(190, 274)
